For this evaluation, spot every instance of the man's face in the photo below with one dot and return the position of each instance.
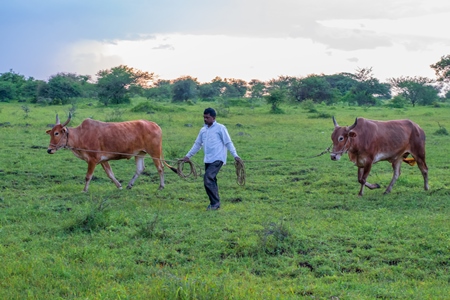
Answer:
(209, 120)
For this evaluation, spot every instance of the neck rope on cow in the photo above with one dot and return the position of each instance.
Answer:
(58, 146)
(344, 150)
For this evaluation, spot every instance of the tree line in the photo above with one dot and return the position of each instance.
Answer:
(119, 84)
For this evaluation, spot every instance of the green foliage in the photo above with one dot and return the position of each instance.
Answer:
(418, 90)
(161, 92)
(184, 88)
(7, 91)
(62, 87)
(152, 107)
(442, 68)
(398, 102)
(26, 110)
(309, 106)
(275, 98)
(115, 115)
(441, 131)
(115, 85)
(313, 87)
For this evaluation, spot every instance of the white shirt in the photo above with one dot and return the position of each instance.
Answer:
(215, 141)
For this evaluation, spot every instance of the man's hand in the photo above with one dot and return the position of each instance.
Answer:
(185, 159)
(238, 159)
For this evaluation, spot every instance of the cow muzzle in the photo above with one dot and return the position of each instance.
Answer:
(50, 151)
(335, 156)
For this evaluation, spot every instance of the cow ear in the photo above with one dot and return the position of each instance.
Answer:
(48, 131)
(352, 134)
(63, 130)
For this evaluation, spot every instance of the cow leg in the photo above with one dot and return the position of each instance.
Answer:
(110, 174)
(140, 166)
(160, 168)
(396, 166)
(424, 169)
(363, 173)
(90, 172)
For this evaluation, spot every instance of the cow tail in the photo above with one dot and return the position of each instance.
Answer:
(170, 167)
(410, 161)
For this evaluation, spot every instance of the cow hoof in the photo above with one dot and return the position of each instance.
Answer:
(129, 187)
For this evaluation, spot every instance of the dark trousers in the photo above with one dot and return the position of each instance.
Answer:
(210, 181)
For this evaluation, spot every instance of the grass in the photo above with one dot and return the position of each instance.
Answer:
(296, 229)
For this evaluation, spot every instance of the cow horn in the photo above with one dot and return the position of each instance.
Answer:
(353, 126)
(57, 120)
(334, 122)
(68, 120)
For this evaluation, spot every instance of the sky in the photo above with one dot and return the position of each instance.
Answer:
(241, 39)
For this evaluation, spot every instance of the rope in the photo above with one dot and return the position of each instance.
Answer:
(323, 152)
(192, 171)
(240, 172)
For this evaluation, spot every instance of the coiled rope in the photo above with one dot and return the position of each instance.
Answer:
(192, 169)
(240, 172)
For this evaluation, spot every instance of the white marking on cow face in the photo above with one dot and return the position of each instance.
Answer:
(339, 138)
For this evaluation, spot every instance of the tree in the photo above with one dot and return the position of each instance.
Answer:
(275, 98)
(312, 87)
(33, 89)
(235, 88)
(184, 88)
(417, 90)
(114, 84)
(442, 68)
(7, 91)
(62, 87)
(367, 88)
(162, 90)
(257, 88)
(341, 82)
(10, 85)
(206, 91)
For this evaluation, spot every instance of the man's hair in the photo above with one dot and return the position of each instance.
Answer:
(210, 111)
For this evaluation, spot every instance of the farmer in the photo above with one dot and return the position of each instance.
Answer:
(215, 140)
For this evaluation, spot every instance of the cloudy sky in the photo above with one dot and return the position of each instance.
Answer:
(243, 39)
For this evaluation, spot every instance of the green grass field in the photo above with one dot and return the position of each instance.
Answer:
(296, 229)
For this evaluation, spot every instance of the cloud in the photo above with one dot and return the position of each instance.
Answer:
(36, 35)
(164, 47)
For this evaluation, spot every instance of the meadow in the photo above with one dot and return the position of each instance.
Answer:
(295, 230)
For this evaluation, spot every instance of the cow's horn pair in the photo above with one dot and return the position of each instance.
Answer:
(66, 122)
(350, 128)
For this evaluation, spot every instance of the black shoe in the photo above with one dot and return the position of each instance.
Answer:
(213, 207)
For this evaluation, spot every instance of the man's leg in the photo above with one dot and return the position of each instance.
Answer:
(210, 181)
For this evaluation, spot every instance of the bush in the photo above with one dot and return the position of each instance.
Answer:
(441, 131)
(398, 102)
(151, 107)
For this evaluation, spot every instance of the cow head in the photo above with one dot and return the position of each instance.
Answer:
(341, 139)
(58, 135)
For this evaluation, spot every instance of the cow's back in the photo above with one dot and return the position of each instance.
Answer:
(123, 137)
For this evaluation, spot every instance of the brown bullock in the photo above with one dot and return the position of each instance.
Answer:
(368, 142)
(98, 142)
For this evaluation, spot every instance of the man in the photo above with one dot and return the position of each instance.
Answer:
(215, 140)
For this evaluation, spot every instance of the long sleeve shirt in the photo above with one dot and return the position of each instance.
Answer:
(215, 141)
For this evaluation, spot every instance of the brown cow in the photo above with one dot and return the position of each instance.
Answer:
(368, 142)
(98, 142)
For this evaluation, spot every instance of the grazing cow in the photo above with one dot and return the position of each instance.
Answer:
(368, 142)
(98, 142)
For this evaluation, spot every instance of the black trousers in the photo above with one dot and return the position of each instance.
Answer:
(210, 181)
